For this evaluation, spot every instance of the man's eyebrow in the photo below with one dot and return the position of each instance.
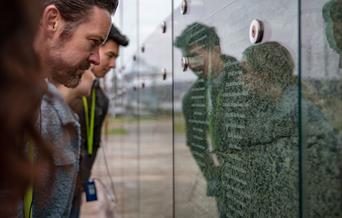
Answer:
(100, 39)
(113, 54)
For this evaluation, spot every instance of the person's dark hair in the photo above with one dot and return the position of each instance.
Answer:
(272, 61)
(199, 34)
(76, 11)
(117, 36)
(21, 87)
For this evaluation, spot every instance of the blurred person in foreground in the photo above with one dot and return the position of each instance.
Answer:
(21, 87)
(109, 52)
(67, 43)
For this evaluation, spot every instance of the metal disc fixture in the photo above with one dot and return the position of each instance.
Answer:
(256, 31)
(164, 72)
(184, 7)
(163, 27)
(185, 63)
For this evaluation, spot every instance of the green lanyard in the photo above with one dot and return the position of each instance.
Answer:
(29, 192)
(90, 125)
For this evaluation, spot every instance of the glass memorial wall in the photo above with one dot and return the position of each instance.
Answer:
(146, 82)
(321, 107)
(239, 109)
(155, 109)
(235, 106)
(124, 103)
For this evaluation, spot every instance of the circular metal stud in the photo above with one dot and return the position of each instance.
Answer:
(184, 7)
(164, 72)
(163, 27)
(256, 31)
(185, 63)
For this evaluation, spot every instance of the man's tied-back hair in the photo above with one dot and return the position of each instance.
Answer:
(76, 10)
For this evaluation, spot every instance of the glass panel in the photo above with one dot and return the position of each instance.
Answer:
(322, 107)
(155, 110)
(124, 105)
(236, 151)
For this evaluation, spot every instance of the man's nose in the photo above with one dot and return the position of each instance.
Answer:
(94, 58)
(112, 64)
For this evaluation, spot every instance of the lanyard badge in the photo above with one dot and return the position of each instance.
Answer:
(90, 190)
(90, 124)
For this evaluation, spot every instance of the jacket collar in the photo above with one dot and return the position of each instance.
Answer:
(63, 110)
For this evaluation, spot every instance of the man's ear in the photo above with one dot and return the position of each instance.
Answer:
(51, 20)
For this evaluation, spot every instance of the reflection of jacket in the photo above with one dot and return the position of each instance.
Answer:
(195, 115)
(59, 126)
(199, 105)
(321, 163)
(259, 149)
(87, 162)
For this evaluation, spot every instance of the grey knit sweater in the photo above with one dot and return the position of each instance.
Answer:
(60, 126)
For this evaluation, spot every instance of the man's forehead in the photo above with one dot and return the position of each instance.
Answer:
(98, 24)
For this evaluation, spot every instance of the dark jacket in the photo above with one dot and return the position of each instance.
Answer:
(101, 109)
(87, 161)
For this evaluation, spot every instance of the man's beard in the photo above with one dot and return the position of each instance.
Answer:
(197, 65)
(74, 79)
(69, 77)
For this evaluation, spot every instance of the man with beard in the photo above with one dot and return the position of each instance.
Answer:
(67, 42)
(212, 69)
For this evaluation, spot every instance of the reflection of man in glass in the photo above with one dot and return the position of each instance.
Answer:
(242, 129)
(201, 45)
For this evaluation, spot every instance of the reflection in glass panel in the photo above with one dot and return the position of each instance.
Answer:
(321, 107)
(191, 199)
(125, 98)
(241, 120)
(238, 113)
(155, 111)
